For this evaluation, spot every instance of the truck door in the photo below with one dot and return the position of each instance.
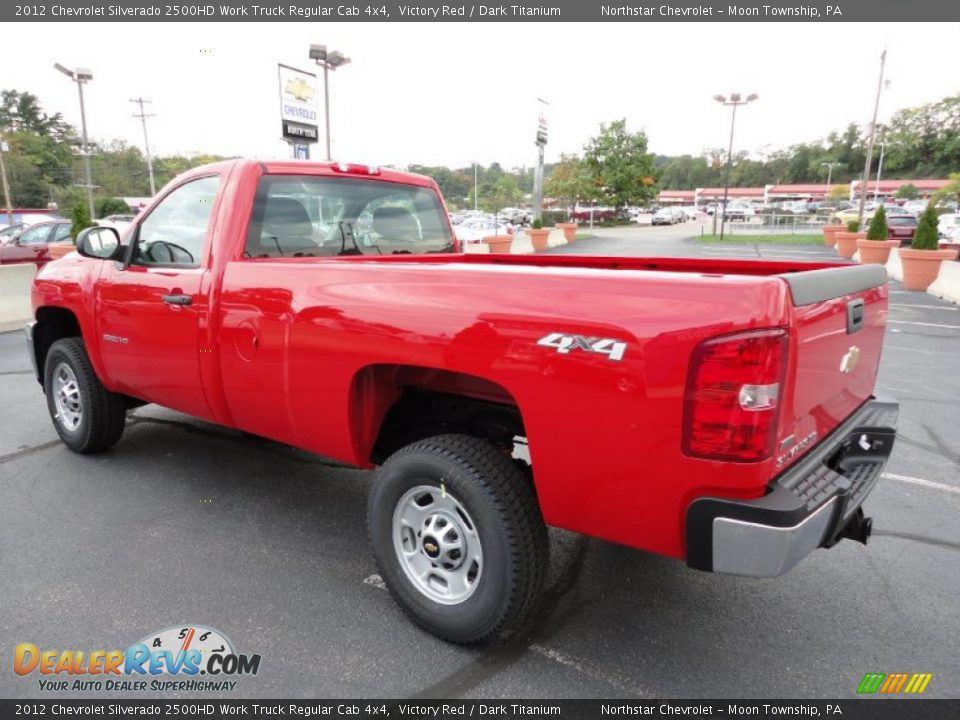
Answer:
(149, 312)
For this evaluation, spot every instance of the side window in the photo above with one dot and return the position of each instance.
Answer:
(173, 233)
(35, 235)
(62, 232)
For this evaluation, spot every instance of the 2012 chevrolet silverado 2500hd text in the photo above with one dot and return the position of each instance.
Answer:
(719, 411)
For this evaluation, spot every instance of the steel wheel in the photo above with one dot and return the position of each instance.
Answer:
(436, 542)
(66, 397)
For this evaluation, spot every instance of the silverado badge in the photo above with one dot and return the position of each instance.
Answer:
(849, 361)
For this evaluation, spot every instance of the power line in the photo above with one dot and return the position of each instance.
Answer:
(146, 142)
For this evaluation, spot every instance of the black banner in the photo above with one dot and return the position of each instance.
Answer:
(433, 11)
(877, 709)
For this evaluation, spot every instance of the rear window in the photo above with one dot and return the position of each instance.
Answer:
(306, 216)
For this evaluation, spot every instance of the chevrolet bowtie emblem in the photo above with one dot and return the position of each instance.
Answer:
(849, 361)
(300, 89)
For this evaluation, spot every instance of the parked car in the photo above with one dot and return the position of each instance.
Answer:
(30, 245)
(478, 228)
(737, 431)
(902, 228)
(915, 206)
(897, 211)
(119, 222)
(946, 223)
(665, 216)
(845, 216)
(738, 211)
(11, 232)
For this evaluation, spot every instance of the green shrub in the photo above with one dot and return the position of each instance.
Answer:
(853, 226)
(537, 224)
(925, 238)
(80, 216)
(877, 229)
(111, 206)
(552, 217)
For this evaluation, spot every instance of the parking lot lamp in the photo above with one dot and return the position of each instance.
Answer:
(733, 101)
(873, 127)
(328, 60)
(81, 76)
(476, 195)
(830, 166)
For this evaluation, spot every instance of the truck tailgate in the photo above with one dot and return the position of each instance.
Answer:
(839, 321)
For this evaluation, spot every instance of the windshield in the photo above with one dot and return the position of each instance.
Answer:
(305, 216)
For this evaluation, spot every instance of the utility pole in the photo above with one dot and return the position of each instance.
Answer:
(6, 187)
(146, 142)
(876, 190)
(873, 127)
(81, 76)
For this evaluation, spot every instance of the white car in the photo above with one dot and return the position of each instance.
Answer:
(915, 207)
(947, 223)
(476, 230)
(120, 223)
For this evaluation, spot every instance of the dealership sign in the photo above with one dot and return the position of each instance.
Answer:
(298, 104)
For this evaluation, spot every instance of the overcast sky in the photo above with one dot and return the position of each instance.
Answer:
(451, 94)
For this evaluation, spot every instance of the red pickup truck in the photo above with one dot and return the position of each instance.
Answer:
(718, 411)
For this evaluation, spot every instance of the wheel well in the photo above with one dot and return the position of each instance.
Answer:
(416, 403)
(53, 324)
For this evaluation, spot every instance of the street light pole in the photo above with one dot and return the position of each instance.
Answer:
(876, 190)
(873, 127)
(81, 76)
(328, 60)
(829, 166)
(476, 191)
(734, 102)
(146, 142)
(6, 187)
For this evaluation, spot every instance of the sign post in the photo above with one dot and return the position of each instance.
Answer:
(538, 175)
(298, 110)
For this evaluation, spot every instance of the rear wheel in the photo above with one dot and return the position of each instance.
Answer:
(87, 417)
(458, 537)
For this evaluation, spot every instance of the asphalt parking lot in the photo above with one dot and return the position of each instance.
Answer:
(186, 523)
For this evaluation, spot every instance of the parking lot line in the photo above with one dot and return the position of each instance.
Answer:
(922, 483)
(926, 307)
(924, 324)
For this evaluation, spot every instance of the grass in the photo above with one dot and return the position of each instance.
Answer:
(582, 236)
(766, 239)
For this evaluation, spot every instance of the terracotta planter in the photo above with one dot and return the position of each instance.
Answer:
(847, 242)
(58, 250)
(538, 238)
(498, 243)
(569, 230)
(876, 252)
(830, 234)
(920, 267)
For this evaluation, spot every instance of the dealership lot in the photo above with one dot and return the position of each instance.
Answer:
(186, 523)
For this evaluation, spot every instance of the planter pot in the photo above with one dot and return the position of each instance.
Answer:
(58, 250)
(830, 234)
(569, 230)
(498, 243)
(538, 238)
(875, 252)
(847, 242)
(920, 267)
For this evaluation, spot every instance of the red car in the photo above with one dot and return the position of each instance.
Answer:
(31, 244)
(717, 411)
(902, 228)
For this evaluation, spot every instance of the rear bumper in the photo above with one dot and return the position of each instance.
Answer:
(814, 504)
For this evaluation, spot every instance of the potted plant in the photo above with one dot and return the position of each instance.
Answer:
(875, 248)
(830, 233)
(847, 241)
(80, 218)
(569, 230)
(921, 261)
(498, 243)
(538, 235)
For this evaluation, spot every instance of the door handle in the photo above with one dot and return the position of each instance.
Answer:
(177, 299)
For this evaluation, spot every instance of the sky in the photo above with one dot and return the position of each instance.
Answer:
(453, 94)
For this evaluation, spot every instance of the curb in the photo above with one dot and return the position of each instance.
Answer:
(15, 283)
(947, 284)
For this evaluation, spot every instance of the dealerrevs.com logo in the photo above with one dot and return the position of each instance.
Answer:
(184, 659)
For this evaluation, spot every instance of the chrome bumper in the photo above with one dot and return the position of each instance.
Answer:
(815, 503)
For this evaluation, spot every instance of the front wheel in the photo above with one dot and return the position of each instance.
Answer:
(87, 417)
(458, 537)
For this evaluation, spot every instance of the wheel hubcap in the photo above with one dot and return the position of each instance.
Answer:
(66, 397)
(437, 544)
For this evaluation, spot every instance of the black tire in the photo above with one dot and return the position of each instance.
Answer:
(502, 505)
(103, 413)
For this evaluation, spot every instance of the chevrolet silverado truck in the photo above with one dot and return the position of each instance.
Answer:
(716, 411)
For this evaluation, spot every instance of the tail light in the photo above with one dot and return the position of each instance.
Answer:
(355, 169)
(733, 395)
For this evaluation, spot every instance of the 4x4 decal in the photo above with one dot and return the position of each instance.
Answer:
(611, 347)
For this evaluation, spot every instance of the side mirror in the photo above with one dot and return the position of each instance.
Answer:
(101, 243)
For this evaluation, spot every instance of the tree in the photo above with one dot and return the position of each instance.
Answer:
(925, 238)
(950, 190)
(80, 216)
(839, 193)
(907, 192)
(877, 230)
(569, 181)
(111, 206)
(623, 171)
